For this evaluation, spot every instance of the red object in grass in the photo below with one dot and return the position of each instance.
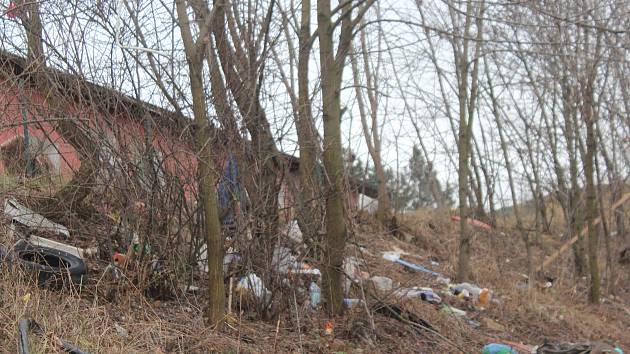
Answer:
(119, 259)
(473, 222)
(12, 10)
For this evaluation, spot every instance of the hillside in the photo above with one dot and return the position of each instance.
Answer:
(114, 317)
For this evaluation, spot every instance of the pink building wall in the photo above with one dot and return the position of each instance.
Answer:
(125, 133)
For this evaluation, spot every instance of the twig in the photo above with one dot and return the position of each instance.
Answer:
(230, 296)
(275, 340)
(297, 316)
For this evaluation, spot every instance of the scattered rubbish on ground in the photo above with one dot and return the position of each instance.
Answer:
(254, 285)
(283, 261)
(425, 294)
(443, 280)
(392, 256)
(382, 283)
(315, 295)
(467, 291)
(119, 259)
(417, 267)
(49, 266)
(367, 204)
(79, 252)
(352, 270)
(190, 289)
(25, 326)
(294, 233)
(329, 328)
(18, 213)
(498, 348)
(350, 303)
(230, 257)
(473, 222)
(395, 257)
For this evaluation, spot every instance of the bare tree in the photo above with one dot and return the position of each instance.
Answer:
(371, 130)
(195, 54)
(332, 63)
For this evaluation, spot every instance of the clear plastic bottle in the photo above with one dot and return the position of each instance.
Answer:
(315, 294)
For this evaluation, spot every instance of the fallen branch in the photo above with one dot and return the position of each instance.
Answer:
(568, 244)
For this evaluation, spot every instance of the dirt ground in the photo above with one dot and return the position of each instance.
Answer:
(102, 320)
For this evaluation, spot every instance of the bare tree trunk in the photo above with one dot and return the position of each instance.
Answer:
(508, 166)
(591, 198)
(195, 53)
(466, 103)
(335, 223)
(310, 206)
(332, 65)
(371, 133)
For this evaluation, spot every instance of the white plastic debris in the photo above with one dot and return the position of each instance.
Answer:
(79, 252)
(443, 280)
(391, 256)
(352, 271)
(229, 257)
(294, 233)
(426, 294)
(382, 283)
(367, 204)
(253, 284)
(350, 303)
(283, 261)
(20, 214)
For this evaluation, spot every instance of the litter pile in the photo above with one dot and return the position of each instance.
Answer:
(387, 281)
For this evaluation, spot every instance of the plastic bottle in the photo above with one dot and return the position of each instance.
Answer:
(430, 297)
(315, 293)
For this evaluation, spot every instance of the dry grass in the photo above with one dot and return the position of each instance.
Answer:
(88, 319)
